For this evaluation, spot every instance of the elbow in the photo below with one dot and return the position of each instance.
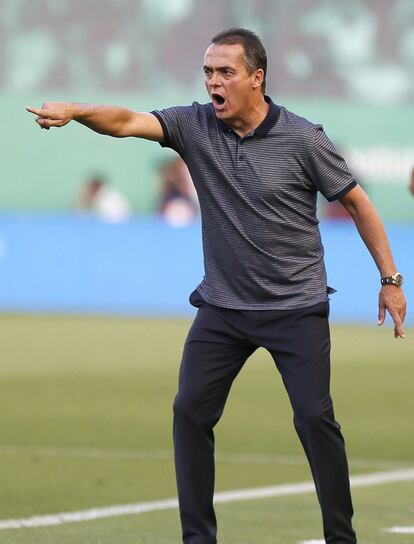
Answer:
(351, 208)
(356, 202)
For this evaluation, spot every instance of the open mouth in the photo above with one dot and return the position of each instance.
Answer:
(218, 100)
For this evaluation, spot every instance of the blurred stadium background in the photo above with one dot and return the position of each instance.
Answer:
(348, 65)
(85, 400)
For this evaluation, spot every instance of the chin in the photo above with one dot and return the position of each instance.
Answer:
(223, 115)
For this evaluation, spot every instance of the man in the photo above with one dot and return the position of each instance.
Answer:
(257, 168)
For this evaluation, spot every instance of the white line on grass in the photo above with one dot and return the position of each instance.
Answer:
(312, 542)
(400, 530)
(377, 478)
(166, 455)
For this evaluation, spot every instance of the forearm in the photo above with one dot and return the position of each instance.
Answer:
(372, 232)
(110, 120)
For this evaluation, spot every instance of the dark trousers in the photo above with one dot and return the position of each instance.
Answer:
(218, 344)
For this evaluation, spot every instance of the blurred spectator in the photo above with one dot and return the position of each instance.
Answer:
(178, 198)
(105, 201)
(411, 186)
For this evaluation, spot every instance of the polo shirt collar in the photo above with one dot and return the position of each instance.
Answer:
(268, 122)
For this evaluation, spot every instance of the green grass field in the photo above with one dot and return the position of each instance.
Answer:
(85, 419)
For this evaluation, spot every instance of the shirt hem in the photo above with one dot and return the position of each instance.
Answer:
(265, 306)
(166, 141)
(343, 192)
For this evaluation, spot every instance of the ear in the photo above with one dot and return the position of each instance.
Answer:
(258, 77)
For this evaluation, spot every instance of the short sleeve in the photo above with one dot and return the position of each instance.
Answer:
(327, 168)
(176, 124)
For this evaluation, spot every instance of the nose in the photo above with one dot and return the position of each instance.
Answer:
(215, 80)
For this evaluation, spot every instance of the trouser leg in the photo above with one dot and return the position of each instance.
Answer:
(302, 353)
(212, 358)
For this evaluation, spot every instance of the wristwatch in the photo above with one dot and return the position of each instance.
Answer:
(396, 279)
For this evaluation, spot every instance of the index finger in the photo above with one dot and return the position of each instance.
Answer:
(36, 111)
(41, 112)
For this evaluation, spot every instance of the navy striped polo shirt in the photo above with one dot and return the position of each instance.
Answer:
(261, 241)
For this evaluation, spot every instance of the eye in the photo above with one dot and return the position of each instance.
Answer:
(228, 73)
(207, 72)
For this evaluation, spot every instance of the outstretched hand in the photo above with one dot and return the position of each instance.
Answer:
(392, 299)
(53, 114)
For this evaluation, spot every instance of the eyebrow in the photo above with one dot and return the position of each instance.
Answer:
(219, 68)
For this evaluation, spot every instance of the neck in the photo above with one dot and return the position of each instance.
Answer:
(250, 119)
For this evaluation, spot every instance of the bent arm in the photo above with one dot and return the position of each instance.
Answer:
(372, 232)
(110, 120)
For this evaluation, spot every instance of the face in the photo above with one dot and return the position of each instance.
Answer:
(231, 89)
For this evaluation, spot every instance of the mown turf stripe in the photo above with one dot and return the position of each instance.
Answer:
(377, 478)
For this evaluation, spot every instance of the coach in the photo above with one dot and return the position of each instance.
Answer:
(257, 168)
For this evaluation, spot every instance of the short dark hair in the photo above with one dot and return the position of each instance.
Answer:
(254, 53)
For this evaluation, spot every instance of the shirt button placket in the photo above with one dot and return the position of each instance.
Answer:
(240, 155)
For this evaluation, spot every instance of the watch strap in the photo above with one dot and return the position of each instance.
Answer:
(388, 280)
(396, 279)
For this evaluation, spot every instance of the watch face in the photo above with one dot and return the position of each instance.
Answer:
(399, 280)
